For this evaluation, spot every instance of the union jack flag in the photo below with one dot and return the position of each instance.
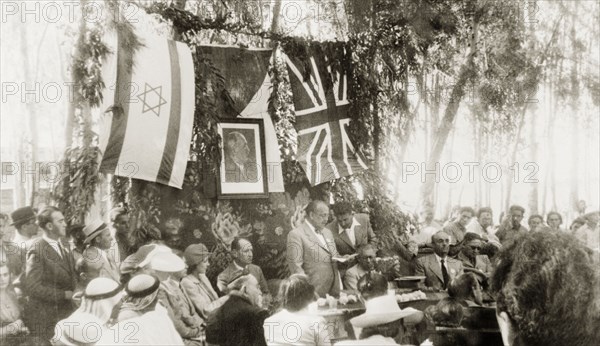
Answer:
(321, 102)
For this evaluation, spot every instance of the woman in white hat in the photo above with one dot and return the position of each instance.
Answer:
(381, 324)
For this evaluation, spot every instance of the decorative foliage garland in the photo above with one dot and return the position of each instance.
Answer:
(75, 191)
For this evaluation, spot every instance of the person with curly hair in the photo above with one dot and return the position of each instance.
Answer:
(547, 291)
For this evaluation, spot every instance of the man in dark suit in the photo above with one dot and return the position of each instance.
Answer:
(239, 321)
(311, 250)
(438, 268)
(350, 231)
(238, 166)
(50, 277)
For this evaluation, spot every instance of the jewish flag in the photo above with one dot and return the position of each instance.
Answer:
(148, 110)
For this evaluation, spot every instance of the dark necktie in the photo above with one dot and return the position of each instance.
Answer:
(444, 274)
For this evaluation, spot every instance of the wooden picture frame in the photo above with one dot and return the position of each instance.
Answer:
(243, 168)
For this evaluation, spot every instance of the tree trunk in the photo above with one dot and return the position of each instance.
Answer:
(32, 117)
(458, 91)
(533, 193)
(513, 158)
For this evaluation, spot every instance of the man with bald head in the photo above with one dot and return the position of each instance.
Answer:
(239, 164)
(311, 250)
(438, 268)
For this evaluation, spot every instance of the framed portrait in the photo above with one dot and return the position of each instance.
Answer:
(243, 169)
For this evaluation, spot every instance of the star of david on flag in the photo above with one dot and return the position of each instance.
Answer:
(152, 99)
(321, 102)
(147, 134)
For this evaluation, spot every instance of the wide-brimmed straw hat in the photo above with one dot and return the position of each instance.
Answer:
(381, 310)
(93, 229)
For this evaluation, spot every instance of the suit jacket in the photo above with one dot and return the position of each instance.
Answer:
(482, 262)
(201, 294)
(232, 272)
(429, 267)
(352, 276)
(180, 309)
(236, 322)
(363, 234)
(307, 255)
(233, 174)
(47, 277)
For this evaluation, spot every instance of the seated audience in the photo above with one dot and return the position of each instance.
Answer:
(98, 241)
(534, 221)
(12, 328)
(168, 267)
(457, 229)
(196, 284)
(438, 268)
(241, 251)
(511, 224)
(482, 225)
(382, 323)
(294, 325)
(427, 227)
(546, 287)
(366, 263)
(472, 261)
(99, 299)
(243, 310)
(141, 309)
(554, 220)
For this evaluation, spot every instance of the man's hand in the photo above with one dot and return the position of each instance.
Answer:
(68, 295)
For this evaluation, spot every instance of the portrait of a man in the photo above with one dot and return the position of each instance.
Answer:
(243, 170)
(240, 162)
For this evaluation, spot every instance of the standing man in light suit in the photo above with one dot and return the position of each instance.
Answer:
(311, 250)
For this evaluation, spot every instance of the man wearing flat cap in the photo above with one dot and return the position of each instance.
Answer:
(50, 277)
(98, 241)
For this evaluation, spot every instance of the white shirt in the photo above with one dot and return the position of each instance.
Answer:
(350, 231)
(318, 235)
(439, 261)
(54, 244)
